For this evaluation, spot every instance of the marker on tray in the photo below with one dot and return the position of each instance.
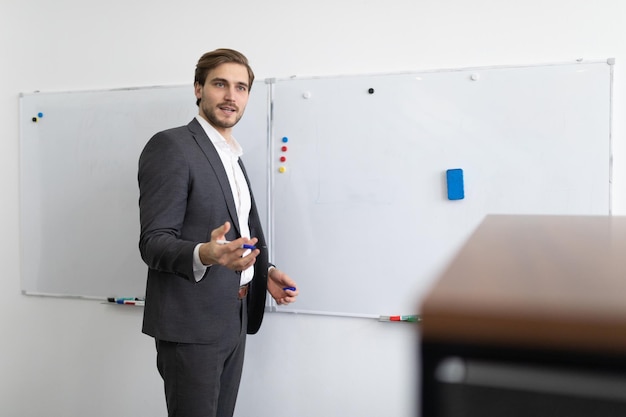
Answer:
(410, 318)
(244, 246)
(120, 300)
(127, 300)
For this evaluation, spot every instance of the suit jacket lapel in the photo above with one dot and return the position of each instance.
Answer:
(213, 157)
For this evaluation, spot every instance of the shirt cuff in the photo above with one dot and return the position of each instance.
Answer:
(199, 269)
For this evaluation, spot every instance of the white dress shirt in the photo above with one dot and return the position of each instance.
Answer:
(229, 153)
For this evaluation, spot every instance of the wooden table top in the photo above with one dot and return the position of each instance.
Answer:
(535, 281)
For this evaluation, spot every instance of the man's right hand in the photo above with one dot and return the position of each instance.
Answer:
(232, 255)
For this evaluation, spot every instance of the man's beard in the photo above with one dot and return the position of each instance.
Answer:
(215, 121)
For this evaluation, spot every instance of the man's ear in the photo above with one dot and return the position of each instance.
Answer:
(197, 88)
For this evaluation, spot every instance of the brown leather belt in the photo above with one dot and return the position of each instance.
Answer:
(243, 291)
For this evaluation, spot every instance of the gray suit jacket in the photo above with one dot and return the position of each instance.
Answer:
(184, 195)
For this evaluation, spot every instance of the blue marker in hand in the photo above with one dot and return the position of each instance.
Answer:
(245, 245)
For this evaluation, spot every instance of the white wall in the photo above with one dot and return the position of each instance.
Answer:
(63, 357)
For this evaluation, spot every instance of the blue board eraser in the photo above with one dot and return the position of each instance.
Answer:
(454, 178)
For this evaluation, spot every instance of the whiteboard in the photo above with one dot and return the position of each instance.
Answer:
(360, 216)
(359, 207)
(78, 172)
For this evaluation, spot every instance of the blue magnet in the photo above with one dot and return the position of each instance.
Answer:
(454, 179)
(40, 115)
(285, 139)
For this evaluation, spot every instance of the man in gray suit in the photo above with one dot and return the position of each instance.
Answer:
(201, 237)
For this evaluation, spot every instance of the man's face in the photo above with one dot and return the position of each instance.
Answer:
(224, 96)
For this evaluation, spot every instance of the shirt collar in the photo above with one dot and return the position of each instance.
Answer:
(233, 147)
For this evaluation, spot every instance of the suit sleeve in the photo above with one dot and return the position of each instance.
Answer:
(164, 178)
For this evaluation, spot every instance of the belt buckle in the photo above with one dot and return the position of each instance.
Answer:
(243, 291)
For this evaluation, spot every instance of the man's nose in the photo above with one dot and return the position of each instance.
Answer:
(230, 93)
